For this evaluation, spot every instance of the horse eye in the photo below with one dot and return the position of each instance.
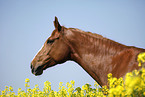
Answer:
(50, 41)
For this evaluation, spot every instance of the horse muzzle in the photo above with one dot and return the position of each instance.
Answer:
(37, 71)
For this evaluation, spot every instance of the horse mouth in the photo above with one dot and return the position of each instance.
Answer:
(39, 69)
(38, 73)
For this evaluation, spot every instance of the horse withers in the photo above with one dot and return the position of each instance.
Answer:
(94, 53)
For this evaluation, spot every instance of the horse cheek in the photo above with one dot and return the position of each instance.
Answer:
(60, 53)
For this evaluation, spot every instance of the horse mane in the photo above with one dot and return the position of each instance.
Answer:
(108, 45)
(92, 34)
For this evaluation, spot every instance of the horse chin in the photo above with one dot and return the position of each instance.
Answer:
(38, 73)
(39, 70)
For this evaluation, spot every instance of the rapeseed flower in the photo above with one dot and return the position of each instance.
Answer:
(27, 80)
(133, 85)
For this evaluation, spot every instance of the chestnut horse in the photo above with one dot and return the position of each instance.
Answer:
(94, 53)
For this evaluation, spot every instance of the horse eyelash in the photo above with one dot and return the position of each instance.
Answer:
(50, 41)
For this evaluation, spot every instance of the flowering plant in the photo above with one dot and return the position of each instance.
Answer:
(132, 86)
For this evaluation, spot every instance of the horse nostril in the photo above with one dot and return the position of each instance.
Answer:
(31, 66)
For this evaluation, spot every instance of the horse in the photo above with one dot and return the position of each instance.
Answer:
(96, 54)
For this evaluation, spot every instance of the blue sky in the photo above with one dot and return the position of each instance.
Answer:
(25, 25)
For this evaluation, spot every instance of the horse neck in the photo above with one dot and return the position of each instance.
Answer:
(89, 45)
(93, 52)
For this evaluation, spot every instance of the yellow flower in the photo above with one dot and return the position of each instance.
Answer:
(83, 87)
(109, 75)
(26, 85)
(36, 86)
(19, 90)
(133, 86)
(60, 84)
(67, 84)
(47, 83)
(141, 58)
(144, 93)
(72, 82)
(10, 88)
(136, 72)
(111, 91)
(27, 80)
(6, 86)
(139, 64)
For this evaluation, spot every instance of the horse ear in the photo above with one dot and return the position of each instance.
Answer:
(57, 25)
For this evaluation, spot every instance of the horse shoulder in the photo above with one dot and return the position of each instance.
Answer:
(125, 61)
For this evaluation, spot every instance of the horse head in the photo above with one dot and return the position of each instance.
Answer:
(54, 51)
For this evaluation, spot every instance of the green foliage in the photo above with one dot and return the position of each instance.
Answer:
(132, 86)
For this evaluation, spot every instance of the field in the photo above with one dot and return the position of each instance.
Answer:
(132, 86)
